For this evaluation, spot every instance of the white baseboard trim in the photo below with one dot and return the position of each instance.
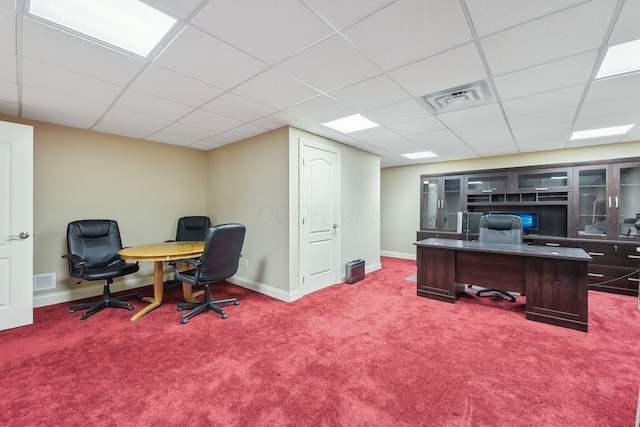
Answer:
(95, 289)
(398, 255)
(88, 290)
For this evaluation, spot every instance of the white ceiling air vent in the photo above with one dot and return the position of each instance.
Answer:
(457, 98)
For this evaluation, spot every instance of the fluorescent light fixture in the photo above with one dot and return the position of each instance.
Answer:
(597, 133)
(351, 124)
(128, 24)
(422, 155)
(621, 59)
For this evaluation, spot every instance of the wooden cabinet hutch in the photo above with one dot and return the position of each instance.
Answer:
(594, 206)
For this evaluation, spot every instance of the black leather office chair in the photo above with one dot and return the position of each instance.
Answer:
(219, 261)
(190, 228)
(93, 247)
(498, 228)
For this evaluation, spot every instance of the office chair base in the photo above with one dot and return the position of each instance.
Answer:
(106, 301)
(499, 292)
(207, 304)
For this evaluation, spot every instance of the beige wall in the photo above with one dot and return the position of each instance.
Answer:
(400, 186)
(78, 174)
(248, 183)
(255, 182)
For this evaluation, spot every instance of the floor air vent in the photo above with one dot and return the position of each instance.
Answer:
(457, 98)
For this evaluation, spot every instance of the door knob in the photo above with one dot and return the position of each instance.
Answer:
(23, 235)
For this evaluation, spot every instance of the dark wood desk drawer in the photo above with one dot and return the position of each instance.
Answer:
(612, 254)
(611, 279)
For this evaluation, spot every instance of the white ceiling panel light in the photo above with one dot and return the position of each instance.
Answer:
(351, 124)
(127, 24)
(621, 59)
(421, 155)
(602, 132)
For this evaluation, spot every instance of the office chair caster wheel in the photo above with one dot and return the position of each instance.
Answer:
(224, 315)
(180, 309)
(236, 303)
(184, 321)
(71, 310)
(129, 307)
(84, 316)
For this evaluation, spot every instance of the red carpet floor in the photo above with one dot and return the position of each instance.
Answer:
(367, 354)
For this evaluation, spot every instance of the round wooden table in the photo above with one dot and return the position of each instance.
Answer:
(160, 253)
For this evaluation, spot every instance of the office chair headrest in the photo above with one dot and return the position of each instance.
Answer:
(502, 222)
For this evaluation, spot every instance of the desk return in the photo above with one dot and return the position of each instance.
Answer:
(554, 280)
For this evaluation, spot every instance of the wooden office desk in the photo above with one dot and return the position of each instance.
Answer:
(160, 253)
(554, 279)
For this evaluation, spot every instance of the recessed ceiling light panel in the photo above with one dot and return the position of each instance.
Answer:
(351, 124)
(602, 132)
(128, 24)
(621, 59)
(421, 155)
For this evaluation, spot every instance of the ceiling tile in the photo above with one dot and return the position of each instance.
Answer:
(550, 76)
(370, 93)
(397, 113)
(55, 108)
(496, 15)
(167, 84)
(566, 97)
(472, 116)
(222, 66)
(247, 130)
(316, 65)
(551, 136)
(237, 107)
(211, 121)
(68, 52)
(8, 67)
(8, 4)
(385, 139)
(142, 103)
(181, 9)
(189, 132)
(627, 28)
(216, 141)
(131, 124)
(444, 143)
(488, 138)
(342, 14)
(566, 33)
(396, 35)
(278, 120)
(320, 110)
(8, 93)
(7, 31)
(450, 69)
(63, 82)
(167, 138)
(263, 29)
(413, 127)
(614, 88)
(622, 111)
(276, 89)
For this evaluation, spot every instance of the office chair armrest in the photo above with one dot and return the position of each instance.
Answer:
(75, 259)
(194, 262)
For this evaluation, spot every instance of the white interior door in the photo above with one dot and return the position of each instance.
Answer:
(319, 216)
(16, 225)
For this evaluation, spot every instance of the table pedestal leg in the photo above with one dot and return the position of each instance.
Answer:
(158, 289)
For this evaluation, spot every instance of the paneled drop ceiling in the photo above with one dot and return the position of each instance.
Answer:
(232, 69)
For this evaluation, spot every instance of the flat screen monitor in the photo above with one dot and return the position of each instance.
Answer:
(529, 219)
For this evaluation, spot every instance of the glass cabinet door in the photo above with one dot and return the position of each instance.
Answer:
(628, 203)
(487, 183)
(592, 202)
(452, 202)
(543, 181)
(430, 204)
